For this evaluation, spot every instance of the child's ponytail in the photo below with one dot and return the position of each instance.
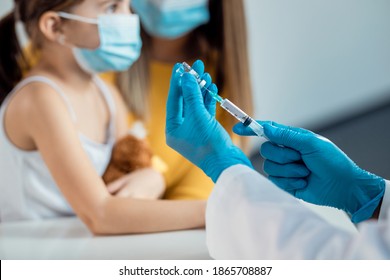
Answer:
(11, 56)
(13, 64)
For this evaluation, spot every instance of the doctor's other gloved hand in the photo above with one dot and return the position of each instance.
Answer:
(312, 168)
(191, 127)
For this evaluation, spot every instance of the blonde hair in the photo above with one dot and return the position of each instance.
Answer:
(221, 42)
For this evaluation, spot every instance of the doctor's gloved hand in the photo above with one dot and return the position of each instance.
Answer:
(320, 173)
(191, 127)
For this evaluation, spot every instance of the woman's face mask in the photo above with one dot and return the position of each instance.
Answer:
(120, 43)
(171, 18)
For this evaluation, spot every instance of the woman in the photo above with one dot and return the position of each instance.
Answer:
(175, 31)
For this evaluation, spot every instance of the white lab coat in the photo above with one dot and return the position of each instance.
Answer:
(248, 217)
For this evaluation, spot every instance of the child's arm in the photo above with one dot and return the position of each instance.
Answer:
(55, 136)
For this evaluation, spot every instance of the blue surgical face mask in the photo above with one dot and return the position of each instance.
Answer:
(120, 43)
(171, 18)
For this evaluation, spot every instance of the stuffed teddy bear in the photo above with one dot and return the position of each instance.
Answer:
(129, 154)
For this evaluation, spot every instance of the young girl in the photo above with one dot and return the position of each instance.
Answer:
(185, 30)
(58, 125)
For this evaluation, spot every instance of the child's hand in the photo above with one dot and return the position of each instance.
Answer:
(144, 183)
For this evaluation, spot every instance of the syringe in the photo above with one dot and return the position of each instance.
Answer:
(226, 104)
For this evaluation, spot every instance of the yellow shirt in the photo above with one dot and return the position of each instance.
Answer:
(184, 180)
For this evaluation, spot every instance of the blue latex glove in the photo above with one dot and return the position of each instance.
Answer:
(320, 173)
(191, 127)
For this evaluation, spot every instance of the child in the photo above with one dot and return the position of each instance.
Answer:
(58, 125)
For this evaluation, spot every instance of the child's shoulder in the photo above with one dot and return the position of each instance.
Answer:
(34, 96)
(34, 109)
(34, 91)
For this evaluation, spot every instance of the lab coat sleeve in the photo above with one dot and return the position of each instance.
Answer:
(248, 217)
(384, 214)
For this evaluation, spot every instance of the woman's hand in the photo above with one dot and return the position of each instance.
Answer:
(145, 183)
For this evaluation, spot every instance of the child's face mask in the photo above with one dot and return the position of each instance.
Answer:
(171, 18)
(120, 43)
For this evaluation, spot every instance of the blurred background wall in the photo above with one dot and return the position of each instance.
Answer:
(325, 65)
(316, 61)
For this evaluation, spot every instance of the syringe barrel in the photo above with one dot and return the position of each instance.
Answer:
(236, 112)
(243, 117)
(226, 104)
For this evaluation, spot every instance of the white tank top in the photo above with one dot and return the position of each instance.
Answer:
(27, 189)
